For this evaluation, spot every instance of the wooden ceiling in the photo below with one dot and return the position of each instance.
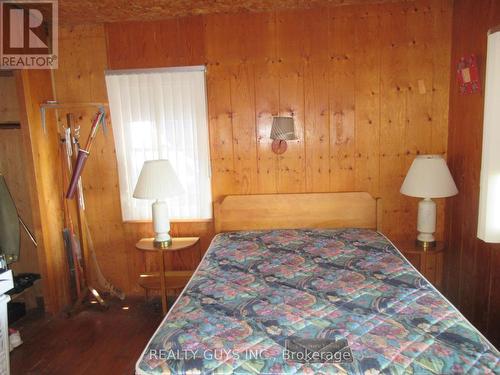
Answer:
(73, 12)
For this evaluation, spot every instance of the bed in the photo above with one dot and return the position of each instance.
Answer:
(271, 285)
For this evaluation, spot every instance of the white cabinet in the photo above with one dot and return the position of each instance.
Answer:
(6, 283)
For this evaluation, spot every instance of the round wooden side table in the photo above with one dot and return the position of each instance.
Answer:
(428, 261)
(165, 280)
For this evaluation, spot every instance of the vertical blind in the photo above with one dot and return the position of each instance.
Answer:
(161, 114)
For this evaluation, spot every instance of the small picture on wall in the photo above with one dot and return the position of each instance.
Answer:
(468, 75)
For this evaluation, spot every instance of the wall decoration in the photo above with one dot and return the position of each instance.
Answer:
(468, 75)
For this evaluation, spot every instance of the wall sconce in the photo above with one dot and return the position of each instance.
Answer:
(282, 130)
(488, 227)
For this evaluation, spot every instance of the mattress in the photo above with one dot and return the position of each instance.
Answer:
(255, 292)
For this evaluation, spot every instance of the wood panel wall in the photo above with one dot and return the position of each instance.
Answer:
(9, 107)
(367, 86)
(80, 78)
(44, 178)
(472, 267)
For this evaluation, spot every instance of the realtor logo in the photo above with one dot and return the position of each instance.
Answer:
(28, 34)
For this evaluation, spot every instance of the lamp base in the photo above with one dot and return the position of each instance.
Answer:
(426, 223)
(425, 244)
(162, 244)
(161, 225)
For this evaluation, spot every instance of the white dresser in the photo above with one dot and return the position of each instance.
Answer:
(6, 284)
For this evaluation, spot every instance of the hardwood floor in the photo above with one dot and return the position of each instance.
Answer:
(92, 342)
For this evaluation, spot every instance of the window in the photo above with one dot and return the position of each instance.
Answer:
(488, 227)
(161, 114)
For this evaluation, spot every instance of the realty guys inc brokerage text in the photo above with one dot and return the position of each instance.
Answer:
(306, 356)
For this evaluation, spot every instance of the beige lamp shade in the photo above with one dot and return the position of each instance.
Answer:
(429, 177)
(157, 180)
(283, 129)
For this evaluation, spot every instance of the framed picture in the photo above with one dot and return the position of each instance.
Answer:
(468, 75)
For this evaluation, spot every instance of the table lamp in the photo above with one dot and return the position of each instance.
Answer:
(428, 177)
(158, 180)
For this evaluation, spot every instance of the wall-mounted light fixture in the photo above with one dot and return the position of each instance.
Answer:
(282, 130)
(488, 227)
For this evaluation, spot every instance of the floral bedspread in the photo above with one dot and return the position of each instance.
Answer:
(254, 290)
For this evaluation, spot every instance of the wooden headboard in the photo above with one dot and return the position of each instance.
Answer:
(293, 211)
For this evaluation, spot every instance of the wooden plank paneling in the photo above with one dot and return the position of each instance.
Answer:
(102, 210)
(9, 106)
(367, 102)
(44, 176)
(384, 99)
(291, 164)
(393, 119)
(317, 126)
(221, 131)
(440, 47)
(291, 50)
(419, 90)
(442, 18)
(342, 96)
(334, 70)
(316, 101)
(172, 42)
(472, 267)
(266, 106)
(263, 53)
(244, 131)
(114, 240)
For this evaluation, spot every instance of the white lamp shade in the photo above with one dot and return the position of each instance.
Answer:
(429, 177)
(157, 180)
(283, 129)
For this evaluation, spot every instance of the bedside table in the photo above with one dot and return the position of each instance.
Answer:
(165, 280)
(429, 261)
